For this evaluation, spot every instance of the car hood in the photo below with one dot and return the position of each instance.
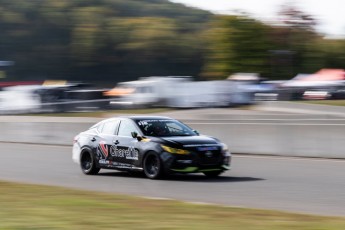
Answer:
(191, 141)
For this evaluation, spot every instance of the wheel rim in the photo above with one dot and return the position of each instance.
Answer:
(86, 162)
(152, 166)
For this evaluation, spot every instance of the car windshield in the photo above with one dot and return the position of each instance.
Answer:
(164, 128)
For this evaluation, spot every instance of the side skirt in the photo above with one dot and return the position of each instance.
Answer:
(121, 167)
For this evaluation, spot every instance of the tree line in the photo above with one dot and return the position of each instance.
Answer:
(117, 40)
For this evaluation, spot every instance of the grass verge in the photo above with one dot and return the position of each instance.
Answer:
(43, 207)
(327, 102)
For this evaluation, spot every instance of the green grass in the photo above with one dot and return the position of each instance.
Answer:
(43, 207)
(327, 102)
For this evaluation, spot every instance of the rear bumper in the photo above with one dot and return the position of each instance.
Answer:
(76, 153)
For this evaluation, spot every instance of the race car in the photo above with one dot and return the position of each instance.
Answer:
(154, 145)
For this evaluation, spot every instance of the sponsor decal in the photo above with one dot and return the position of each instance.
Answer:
(104, 149)
(102, 161)
(146, 122)
(129, 153)
(114, 164)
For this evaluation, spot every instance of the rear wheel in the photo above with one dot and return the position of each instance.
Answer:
(152, 166)
(88, 164)
(213, 174)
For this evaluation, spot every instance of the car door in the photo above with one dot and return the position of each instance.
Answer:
(126, 145)
(104, 142)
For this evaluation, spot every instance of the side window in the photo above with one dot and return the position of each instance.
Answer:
(110, 127)
(126, 128)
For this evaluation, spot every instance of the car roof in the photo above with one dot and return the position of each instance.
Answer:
(147, 117)
(135, 118)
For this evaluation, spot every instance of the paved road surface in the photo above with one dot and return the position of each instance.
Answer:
(291, 184)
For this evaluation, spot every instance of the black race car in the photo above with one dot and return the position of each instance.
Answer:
(152, 144)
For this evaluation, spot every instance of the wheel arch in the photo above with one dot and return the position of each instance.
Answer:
(87, 149)
(88, 161)
(154, 170)
(145, 154)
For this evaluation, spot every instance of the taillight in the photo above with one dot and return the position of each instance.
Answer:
(75, 139)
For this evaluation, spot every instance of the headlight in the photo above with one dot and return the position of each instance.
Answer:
(226, 154)
(174, 151)
(225, 150)
(225, 147)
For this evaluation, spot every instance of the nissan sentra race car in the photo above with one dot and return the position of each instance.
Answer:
(151, 144)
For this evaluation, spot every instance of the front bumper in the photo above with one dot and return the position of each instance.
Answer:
(201, 169)
(192, 164)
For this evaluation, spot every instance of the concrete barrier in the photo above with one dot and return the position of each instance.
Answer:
(43, 130)
(284, 139)
(281, 139)
(302, 107)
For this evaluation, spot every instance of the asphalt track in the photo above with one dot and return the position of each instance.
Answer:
(312, 186)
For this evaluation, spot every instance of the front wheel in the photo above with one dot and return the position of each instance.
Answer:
(88, 164)
(152, 166)
(213, 174)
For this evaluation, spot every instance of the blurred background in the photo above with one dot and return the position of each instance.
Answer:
(107, 54)
(251, 61)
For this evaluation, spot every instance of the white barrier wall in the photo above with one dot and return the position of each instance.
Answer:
(309, 140)
(281, 139)
(41, 133)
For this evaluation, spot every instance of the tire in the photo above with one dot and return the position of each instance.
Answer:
(152, 166)
(88, 164)
(213, 174)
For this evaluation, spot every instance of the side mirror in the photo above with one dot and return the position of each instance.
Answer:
(196, 132)
(135, 135)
